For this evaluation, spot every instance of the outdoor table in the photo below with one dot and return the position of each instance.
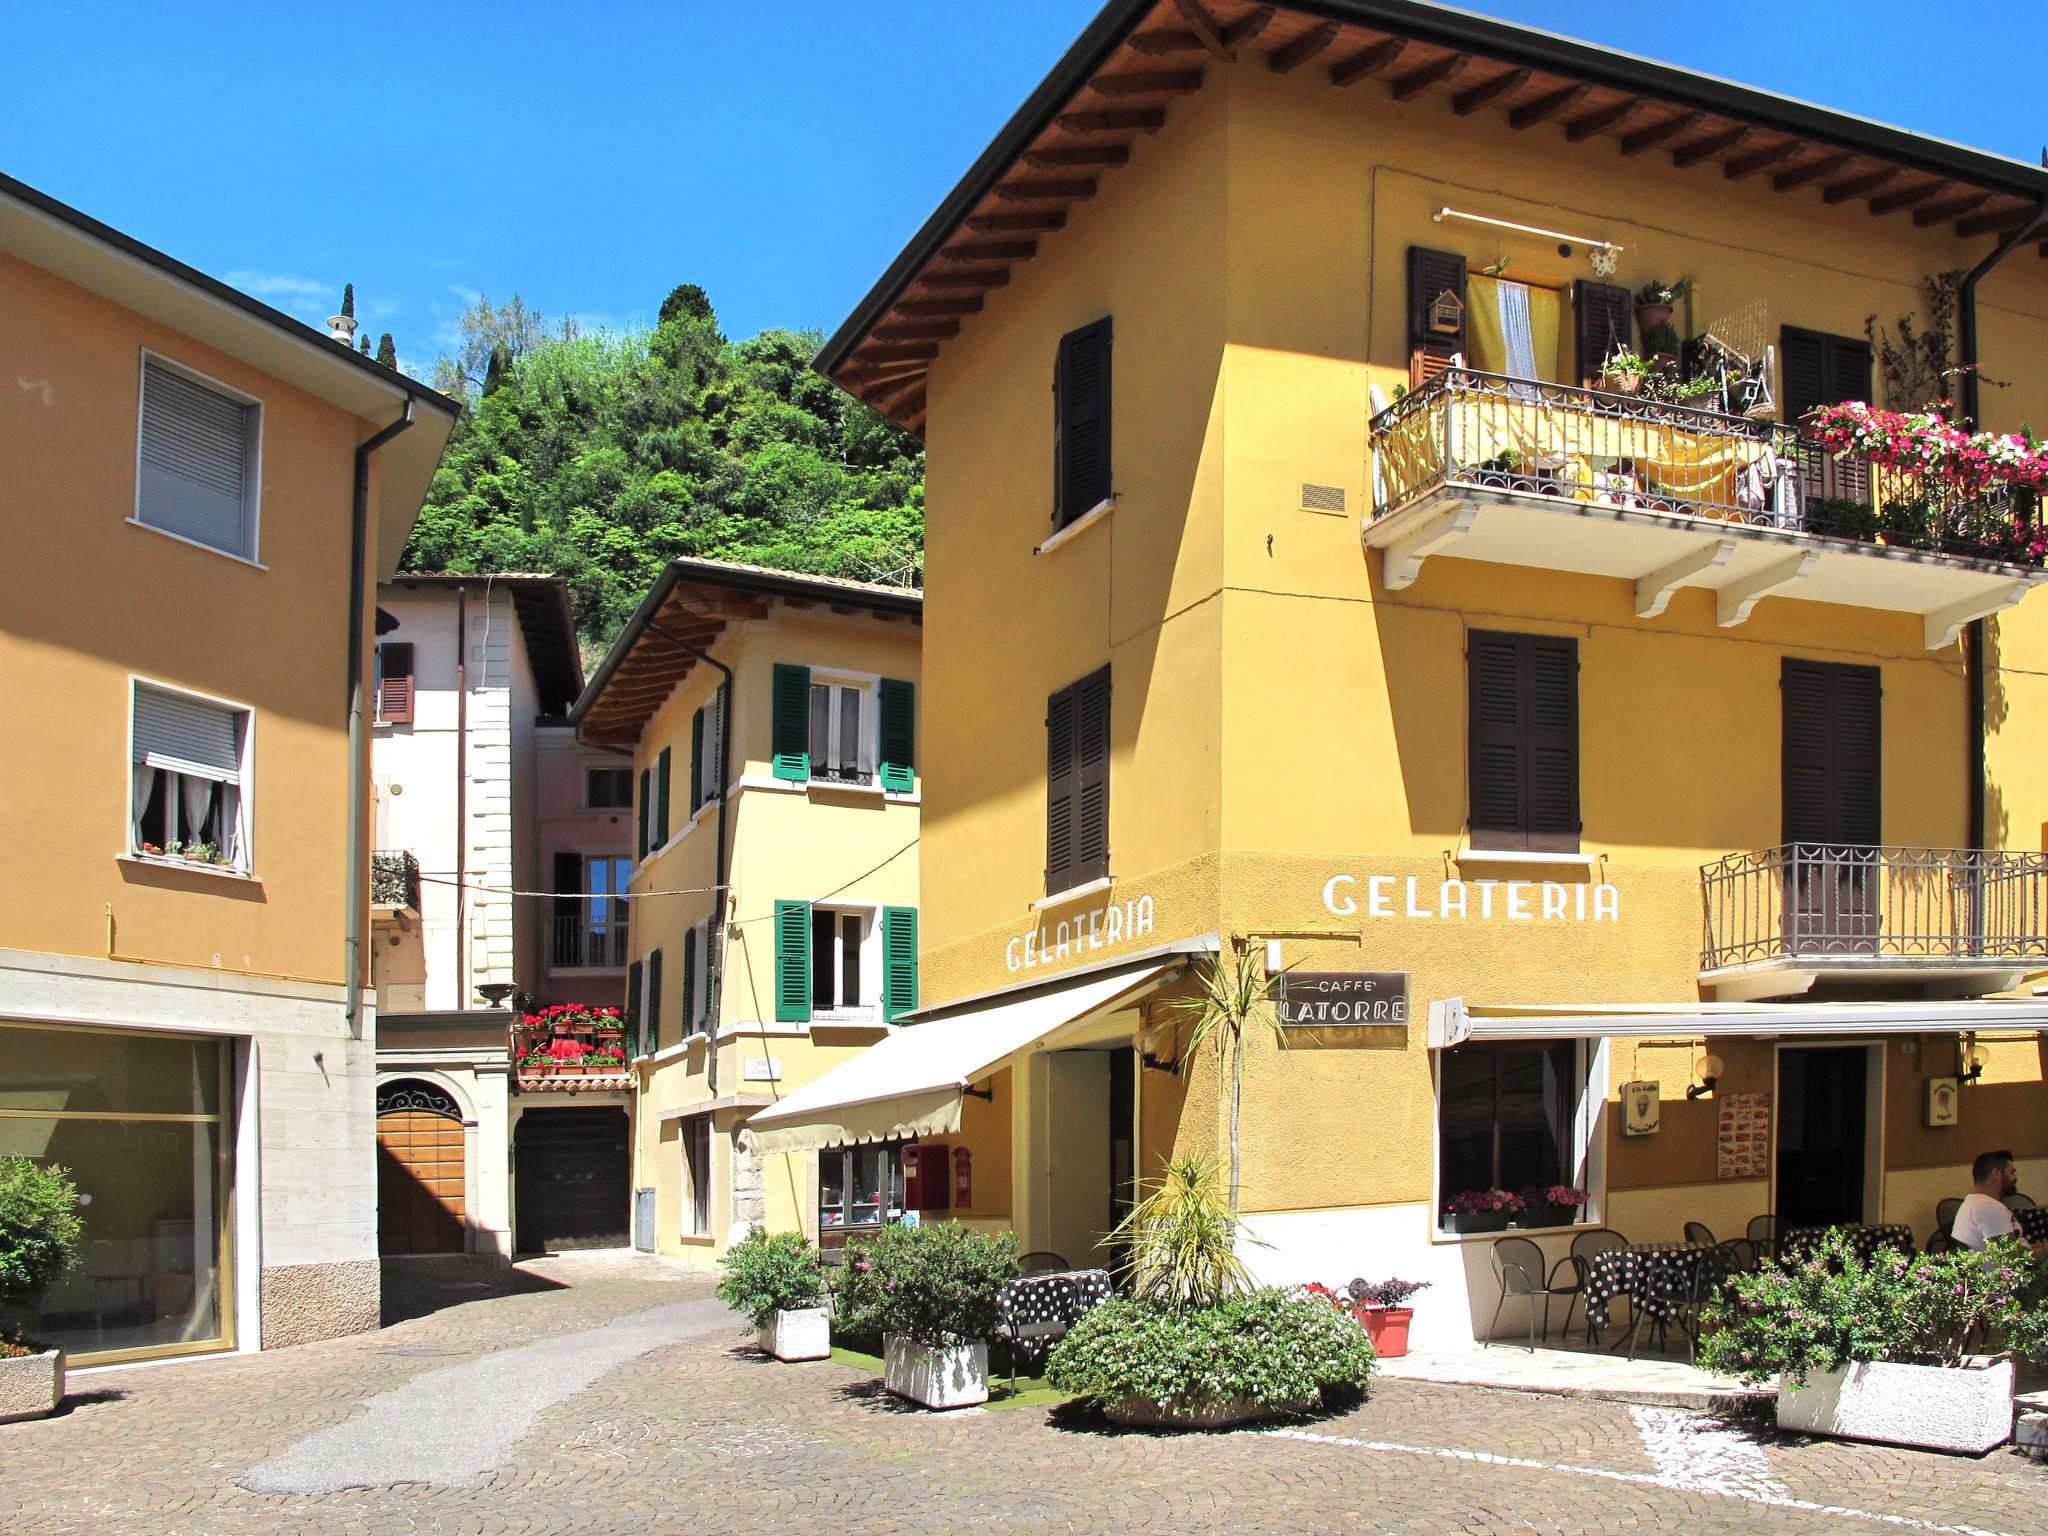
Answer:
(1656, 1277)
(1037, 1310)
(2033, 1222)
(1863, 1241)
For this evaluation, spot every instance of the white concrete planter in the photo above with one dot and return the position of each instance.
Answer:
(805, 1334)
(1930, 1406)
(952, 1377)
(31, 1386)
(1142, 1413)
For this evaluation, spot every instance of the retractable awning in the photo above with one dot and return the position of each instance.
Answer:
(911, 1083)
(1453, 1021)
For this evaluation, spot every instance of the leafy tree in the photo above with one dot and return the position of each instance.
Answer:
(387, 350)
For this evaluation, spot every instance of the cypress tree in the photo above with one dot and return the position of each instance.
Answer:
(387, 350)
(365, 347)
(499, 366)
(348, 300)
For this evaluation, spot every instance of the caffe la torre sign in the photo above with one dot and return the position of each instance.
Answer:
(1513, 900)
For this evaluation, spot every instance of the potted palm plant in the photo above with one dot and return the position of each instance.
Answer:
(779, 1284)
(1382, 1306)
(40, 1230)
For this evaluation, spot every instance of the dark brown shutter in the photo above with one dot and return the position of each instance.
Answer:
(1833, 753)
(1858, 755)
(1805, 752)
(1059, 791)
(1603, 320)
(1091, 778)
(1492, 667)
(1551, 673)
(1430, 275)
(1523, 719)
(394, 686)
(1081, 422)
(1822, 369)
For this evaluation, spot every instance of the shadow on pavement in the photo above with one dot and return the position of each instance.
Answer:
(415, 1287)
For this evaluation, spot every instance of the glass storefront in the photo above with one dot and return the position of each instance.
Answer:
(140, 1123)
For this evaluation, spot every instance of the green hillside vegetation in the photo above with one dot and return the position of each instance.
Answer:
(599, 456)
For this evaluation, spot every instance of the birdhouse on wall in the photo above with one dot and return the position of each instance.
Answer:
(1447, 313)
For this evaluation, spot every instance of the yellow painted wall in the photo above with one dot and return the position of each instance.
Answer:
(93, 598)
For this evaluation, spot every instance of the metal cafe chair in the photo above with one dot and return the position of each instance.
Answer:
(1699, 1234)
(1518, 1266)
(1945, 1212)
(1766, 1232)
(1584, 1247)
(1042, 1262)
(2019, 1202)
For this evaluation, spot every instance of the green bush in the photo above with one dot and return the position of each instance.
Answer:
(765, 1275)
(40, 1228)
(1843, 517)
(936, 1283)
(1829, 1309)
(1273, 1347)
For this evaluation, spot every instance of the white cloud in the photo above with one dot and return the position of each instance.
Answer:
(467, 295)
(304, 295)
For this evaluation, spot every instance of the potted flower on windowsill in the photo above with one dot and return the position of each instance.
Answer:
(1382, 1306)
(1481, 1210)
(1655, 300)
(1554, 1205)
(779, 1284)
(40, 1230)
(930, 1291)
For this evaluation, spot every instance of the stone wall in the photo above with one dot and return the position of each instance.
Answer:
(304, 1302)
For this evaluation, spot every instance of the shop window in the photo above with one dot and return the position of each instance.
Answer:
(859, 1189)
(1508, 1117)
(696, 1145)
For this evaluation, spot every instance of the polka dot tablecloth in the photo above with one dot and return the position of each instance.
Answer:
(1863, 1241)
(2033, 1220)
(1038, 1309)
(1656, 1277)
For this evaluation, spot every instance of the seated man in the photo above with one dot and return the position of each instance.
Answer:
(1983, 1215)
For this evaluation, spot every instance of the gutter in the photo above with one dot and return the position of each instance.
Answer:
(357, 890)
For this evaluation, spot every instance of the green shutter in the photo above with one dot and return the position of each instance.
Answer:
(653, 1034)
(899, 735)
(696, 761)
(633, 973)
(792, 962)
(689, 982)
(646, 794)
(899, 962)
(661, 789)
(790, 736)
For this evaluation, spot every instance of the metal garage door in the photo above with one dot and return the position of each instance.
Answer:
(571, 1169)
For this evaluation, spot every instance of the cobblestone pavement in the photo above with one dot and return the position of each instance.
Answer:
(697, 1434)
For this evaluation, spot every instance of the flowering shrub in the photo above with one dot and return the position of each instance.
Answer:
(1554, 1194)
(1384, 1293)
(1337, 1299)
(1273, 1347)
(765, 1275)
(1830, 1308)
(936, 1283)
(1468, 1202)
(565, 1018)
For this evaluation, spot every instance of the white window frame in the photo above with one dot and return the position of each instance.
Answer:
(698, 1176)
(868, 685)
(245, 780)
(252, 507)
(632, 788)
(868, 1010)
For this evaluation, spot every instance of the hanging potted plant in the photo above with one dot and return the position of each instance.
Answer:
(1481, 1210)
(779, 1283)
(1624, 372)
(40, 1230)
(1382, 1306)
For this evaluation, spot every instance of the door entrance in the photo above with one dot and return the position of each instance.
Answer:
(572, 1171)
(1822, 1125)
(421, 1180)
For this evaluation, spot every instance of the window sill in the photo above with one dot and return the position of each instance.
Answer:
(808, 786)
(1095, 514)
(1074, 893)
(861, 1014)
(846, 786)
(1438, 1235)
(211, 549)
(1524, 856)
(697, 1239)
(187, 867)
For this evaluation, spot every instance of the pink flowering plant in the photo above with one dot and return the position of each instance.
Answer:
(1554, 1194)
(1470, 1202)
(1831, 1308)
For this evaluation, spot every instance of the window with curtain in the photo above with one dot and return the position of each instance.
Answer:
(185, 784)
(1512, 328)
(1507, 1117)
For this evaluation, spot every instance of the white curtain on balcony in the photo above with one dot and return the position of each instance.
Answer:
(1514, 329)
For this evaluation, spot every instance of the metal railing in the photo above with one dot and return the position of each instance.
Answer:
(592, 936)
(1483, 431)
(1807, 901)
(395, 880)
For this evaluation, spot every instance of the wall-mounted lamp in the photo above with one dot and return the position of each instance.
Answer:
(1150, 1039)
(1973, 1057)
(1708, 1070)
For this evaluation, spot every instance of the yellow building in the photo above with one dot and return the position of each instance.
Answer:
(200, 494)
(773, 725)
(1321, 608)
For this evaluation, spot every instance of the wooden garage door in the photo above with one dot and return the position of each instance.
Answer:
(572, 1178)
(419, 1170)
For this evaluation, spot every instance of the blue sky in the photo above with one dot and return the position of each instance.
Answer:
(592, 156)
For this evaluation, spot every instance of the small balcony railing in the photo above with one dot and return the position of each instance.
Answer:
(586, 1052)
(395, 881)
(1478, 432)
(1812, 904)
(592, 937)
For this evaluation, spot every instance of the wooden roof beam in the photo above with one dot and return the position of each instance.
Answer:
(1248, 26)
(1599, 122)
(1161, 41)
(916, 330)
(1949, 208)
(1447, 68)
(1858, 186)
(1032, 221)
(1082, 155)
(1740, 166)
(1892, 202)
(1165, 82)
(1993, 223)
(1470, 101)
(1127, 120)
(1381, 55)
(1813, 170)
(997, 278)
(1205, 30)
(989, 250)
(1290, 56)
(1733, 138)
(936, 309)
(899, 352)
(1650, 137)
(1544, 108)
(1046, 189)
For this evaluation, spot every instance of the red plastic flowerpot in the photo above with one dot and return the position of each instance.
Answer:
(1389, 1329)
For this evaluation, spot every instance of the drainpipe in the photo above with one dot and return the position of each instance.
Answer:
(358, 889)
(714, 975)
(461, 799)
(1972, 401)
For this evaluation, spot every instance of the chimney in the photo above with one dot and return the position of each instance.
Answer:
(342, 327)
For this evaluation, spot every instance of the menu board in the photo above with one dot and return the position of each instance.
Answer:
(1744, 1150)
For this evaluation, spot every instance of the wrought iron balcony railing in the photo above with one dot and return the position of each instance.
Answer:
(595, 935)
(1931, 908)
(1476, 431)
(395, 880)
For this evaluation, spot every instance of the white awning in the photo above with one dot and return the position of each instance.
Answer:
(910, 1084)
(1453, 1021)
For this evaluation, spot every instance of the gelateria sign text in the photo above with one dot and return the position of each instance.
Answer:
(1098, 928)
(1531, 901)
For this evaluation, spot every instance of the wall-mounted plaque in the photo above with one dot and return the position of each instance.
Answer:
(1334, 999)
(1641, 1109)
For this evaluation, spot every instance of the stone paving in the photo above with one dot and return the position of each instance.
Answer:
(689, 1431)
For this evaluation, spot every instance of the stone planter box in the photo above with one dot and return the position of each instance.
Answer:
(1930, 1406)
(804, 1334)
(1142, 1413)
(31, 1386)
(955, 1376)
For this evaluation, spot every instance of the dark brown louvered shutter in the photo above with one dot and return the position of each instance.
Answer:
(1081, 423)
(1494, 715)
(1431, 274)
(1603, 321)
(1551, 690)
(1091, 778)
(1523, 715)
(1804, 752)
(1833, 753)
(1858, 756)
(1059, 791)
(1822, 369)
(394, 682)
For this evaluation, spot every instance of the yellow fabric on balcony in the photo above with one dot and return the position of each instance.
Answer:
(1575, 444)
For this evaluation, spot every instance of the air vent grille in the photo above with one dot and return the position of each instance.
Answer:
(1322, 498)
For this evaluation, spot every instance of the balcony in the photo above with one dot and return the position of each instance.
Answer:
(1475, 466)
(394, 883)
(569, 1048)
(591, 939)
(1941, 921)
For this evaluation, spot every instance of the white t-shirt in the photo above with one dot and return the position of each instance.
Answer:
(1981, 1219)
